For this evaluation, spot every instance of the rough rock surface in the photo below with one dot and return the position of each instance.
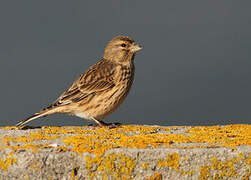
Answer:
(126, 152)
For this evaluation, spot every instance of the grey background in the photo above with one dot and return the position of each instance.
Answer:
(194, 68)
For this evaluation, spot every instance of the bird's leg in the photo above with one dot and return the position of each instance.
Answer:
(103, 124)
(99, 122)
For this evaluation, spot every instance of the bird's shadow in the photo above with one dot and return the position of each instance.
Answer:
(30, 127)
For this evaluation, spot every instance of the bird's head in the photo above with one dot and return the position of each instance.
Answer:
(121, 49)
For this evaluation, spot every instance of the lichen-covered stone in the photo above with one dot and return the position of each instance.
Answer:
(126, 152)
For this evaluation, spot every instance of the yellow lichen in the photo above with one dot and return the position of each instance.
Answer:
(248, 160)
(34, 147)
(189, 172)
(62, 149)
(221, 169)
(73, 174)
(98, 141)
(5, 163)
(145, 165)
(228, 136)
(9, 127)
(224, 168)
(248, 172)
(247, 175)
(26, 177)
(142, 136)
(171, 161)
(31, 137)
(119, 166)
(204, 172)
(34, 165)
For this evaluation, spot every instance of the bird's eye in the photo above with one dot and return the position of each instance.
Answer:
(123, 45)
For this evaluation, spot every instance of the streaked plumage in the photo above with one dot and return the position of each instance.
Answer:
(102, 88)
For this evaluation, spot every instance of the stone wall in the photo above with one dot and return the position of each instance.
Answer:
(126, 152)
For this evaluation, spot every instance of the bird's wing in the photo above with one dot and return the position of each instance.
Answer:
(96, 79)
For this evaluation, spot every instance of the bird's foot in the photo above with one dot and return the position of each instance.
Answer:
(112, 125)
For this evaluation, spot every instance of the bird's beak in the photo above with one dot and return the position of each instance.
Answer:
(136, 48)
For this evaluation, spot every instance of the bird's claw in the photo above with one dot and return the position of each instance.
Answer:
(103, 124)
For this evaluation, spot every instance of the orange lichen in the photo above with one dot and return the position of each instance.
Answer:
(156, 176)
(140, 136)
(99, 141)
(228, 136)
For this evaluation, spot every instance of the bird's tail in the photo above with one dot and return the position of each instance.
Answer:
(45, 112)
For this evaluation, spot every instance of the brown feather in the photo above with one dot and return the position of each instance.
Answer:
(82, 88)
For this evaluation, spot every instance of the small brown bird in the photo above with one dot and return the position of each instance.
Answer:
(102, 88)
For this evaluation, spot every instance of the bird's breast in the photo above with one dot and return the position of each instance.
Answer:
(106, 102)
(122, 87)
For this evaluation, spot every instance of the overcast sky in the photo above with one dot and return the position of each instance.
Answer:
(194, 68)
